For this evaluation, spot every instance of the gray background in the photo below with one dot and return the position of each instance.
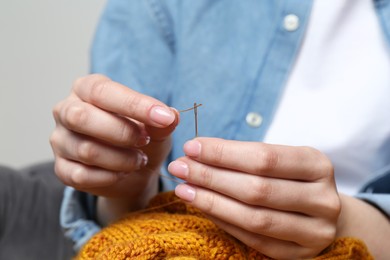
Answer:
(44, 47)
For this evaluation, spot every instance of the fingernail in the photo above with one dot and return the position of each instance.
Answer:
(162, 116)
(185, 192)
(179, 169)
(192, 148)
(142, 141)
(142, 160)
(176, 112)
(174, 109)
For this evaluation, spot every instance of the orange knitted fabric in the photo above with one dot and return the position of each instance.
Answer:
(171, 229)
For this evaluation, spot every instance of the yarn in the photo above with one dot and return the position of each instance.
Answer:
(172, 229)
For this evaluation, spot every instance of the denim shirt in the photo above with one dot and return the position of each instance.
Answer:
(232, 56)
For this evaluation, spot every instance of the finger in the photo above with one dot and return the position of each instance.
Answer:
(84, 177)
(281, 194)
(114, 97)
(288, 162)
(88, 151)
(89, 120)
(159, 134)
(271, 247)
(280, 225)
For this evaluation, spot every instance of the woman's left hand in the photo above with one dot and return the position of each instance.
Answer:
(279, 200)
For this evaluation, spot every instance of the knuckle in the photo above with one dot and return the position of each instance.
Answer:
(324, 164)
(261, 222)
(61, 171)
(328, 235)
(268, 159)
(205, 177)
(56, 111)
(325, 234)
(209, 203)
(332, 206)
(86, 151)
(260, 191)
(98, 89)
(79, 176)
(218, 152)
(327, 167)
(131, 102)
(75, 116)
(54, 139)
(72, 175)
(125, 135)
(58, 170)
(337, 207)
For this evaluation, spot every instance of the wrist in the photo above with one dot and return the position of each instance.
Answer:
(361, 220)
(110, 209)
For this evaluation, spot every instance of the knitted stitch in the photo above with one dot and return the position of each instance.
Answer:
(171, 229)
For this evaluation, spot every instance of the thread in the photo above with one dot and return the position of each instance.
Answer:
(195, 108)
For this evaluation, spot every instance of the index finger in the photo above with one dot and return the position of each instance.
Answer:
(111, 96)
(278, 161)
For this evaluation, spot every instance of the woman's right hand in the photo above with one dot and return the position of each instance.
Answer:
(110, 140)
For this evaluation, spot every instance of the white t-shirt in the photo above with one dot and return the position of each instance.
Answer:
(337, 98)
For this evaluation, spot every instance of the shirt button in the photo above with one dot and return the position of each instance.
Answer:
(291, 22)
(254, 119)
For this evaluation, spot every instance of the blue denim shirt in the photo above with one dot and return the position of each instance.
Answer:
(232, 56)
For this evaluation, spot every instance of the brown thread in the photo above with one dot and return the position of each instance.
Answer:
(191, 108)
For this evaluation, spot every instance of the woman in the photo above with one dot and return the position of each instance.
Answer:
(295, 94)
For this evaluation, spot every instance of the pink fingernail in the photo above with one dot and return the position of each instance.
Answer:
(143, 141)
(192, 148)
(185, 192)
(162, 116)
(142, 160)
(179, 169)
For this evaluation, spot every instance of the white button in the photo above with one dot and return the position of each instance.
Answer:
(291, 22)
(254, 119)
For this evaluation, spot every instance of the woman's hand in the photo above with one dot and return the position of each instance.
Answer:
(279, 200)
(110, 140)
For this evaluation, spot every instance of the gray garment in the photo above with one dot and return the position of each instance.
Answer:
(380, 201)
(377, 192)
(30, 202)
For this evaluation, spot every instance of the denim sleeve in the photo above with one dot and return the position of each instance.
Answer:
(78, 212)
(377, 192)
(74, 219)
(381, 201)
